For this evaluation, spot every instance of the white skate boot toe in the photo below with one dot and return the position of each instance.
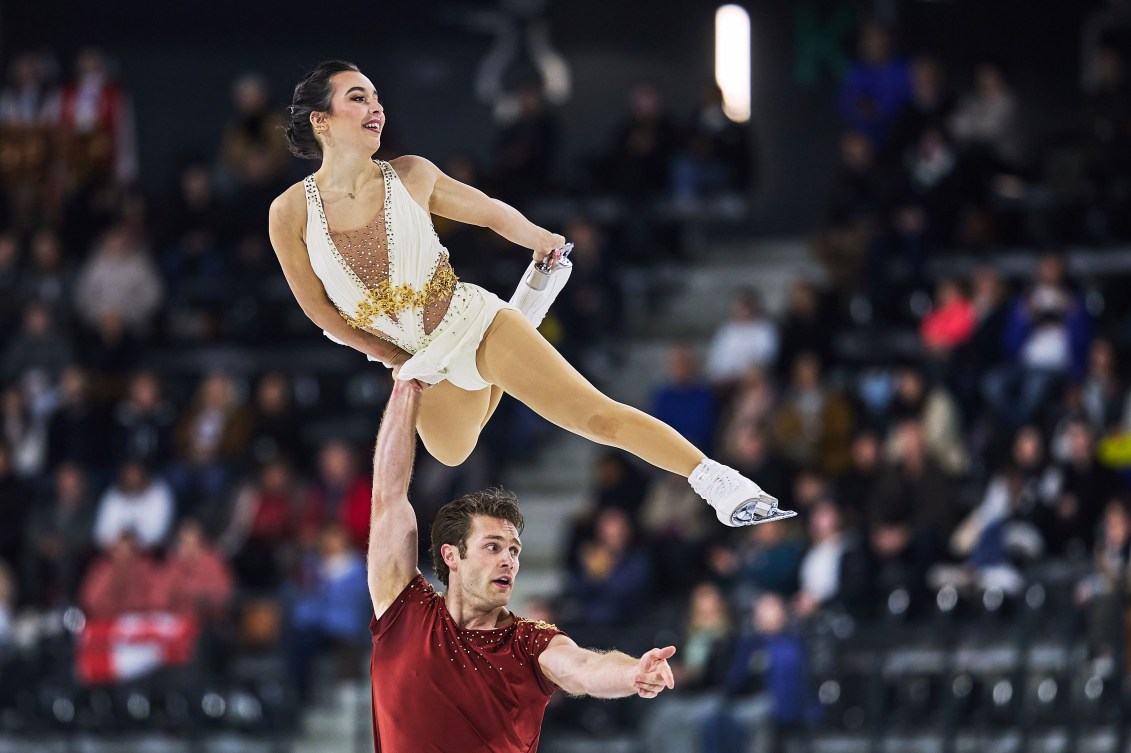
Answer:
(737, 500)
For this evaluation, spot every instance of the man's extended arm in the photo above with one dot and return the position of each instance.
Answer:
(580, 671)
(392, 522)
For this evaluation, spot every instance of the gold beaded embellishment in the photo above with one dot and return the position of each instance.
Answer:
(385, 299)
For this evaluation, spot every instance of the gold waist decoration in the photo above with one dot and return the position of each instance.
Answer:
(383, 299)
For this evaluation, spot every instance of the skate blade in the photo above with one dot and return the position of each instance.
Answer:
(744, 517)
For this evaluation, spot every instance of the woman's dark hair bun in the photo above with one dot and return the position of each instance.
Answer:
(312, 94)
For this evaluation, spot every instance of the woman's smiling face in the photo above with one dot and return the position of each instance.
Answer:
(356, 116)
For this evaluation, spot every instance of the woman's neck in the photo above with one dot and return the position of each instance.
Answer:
(344, 173)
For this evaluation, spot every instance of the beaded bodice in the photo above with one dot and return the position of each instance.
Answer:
(366, 252)
(391, 277)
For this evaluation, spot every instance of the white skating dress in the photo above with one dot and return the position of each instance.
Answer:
(392, 279)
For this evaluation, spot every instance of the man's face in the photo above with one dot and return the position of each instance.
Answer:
(485, 577)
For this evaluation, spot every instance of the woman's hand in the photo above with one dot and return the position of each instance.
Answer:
(547, 243)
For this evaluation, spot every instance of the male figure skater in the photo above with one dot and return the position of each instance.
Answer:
(459, 672)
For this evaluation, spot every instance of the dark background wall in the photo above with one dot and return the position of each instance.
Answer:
(179, 60)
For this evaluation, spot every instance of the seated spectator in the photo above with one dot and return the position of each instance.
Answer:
(59, 538)
(1015, 508)
(331, 604)
(986, 120)
(23, 429)
(275, 431)
(1085, 486)
(616, 482)
(855, 486)
(94, 129)
(15, 506)
(911, 513)
(254, 129)
(746, 448)
(809, 488)
(638, 160)
(260, 297)
(676, 528)
(927, 205)
(766, 558)
(11, 278)
(210, 438)
(684, 402)
(813, 424)
(983, 350)
(196, 579)
(111, 352)
(951, 321)
(748, 339)
(49, 277)
(1046, 339)
(119, 281)
(805, 328)
(715, 155)
(139, 504)
(1099, 592)
(525, 147)
(930, 106)
(340, 493)
(260, 534)
(143, 423)
(25, 111)
(701, 662)
(77, 429)
(770, 659)
(124, 579)
(834, 569)
(1102, 391)
(612, 582)
(1105, 141)
(40, 345)
(8, 598)
(861, 187)
(589, 307)
(934, 408)
(753, 401)
(193, 264)
(876, 87)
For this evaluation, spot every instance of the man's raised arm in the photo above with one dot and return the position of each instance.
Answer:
(392, 522)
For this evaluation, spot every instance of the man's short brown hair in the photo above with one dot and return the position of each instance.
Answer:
(453, 522)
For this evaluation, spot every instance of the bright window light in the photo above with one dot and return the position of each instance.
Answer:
(732, 60)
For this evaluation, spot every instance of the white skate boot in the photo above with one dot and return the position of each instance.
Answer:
(541, 284)
(737, 500)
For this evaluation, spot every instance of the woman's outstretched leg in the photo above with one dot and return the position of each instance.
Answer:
(451, 419)
(515, 357)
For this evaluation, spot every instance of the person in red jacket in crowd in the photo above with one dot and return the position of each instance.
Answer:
(340, 494)
(951, 322)
(197, 580)
(125, 579)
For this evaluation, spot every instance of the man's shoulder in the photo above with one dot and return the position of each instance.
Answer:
(535, 624)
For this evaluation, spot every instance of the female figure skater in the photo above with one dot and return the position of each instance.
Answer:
(356, 243)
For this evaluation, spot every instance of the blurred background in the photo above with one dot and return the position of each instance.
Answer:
(868, 253)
